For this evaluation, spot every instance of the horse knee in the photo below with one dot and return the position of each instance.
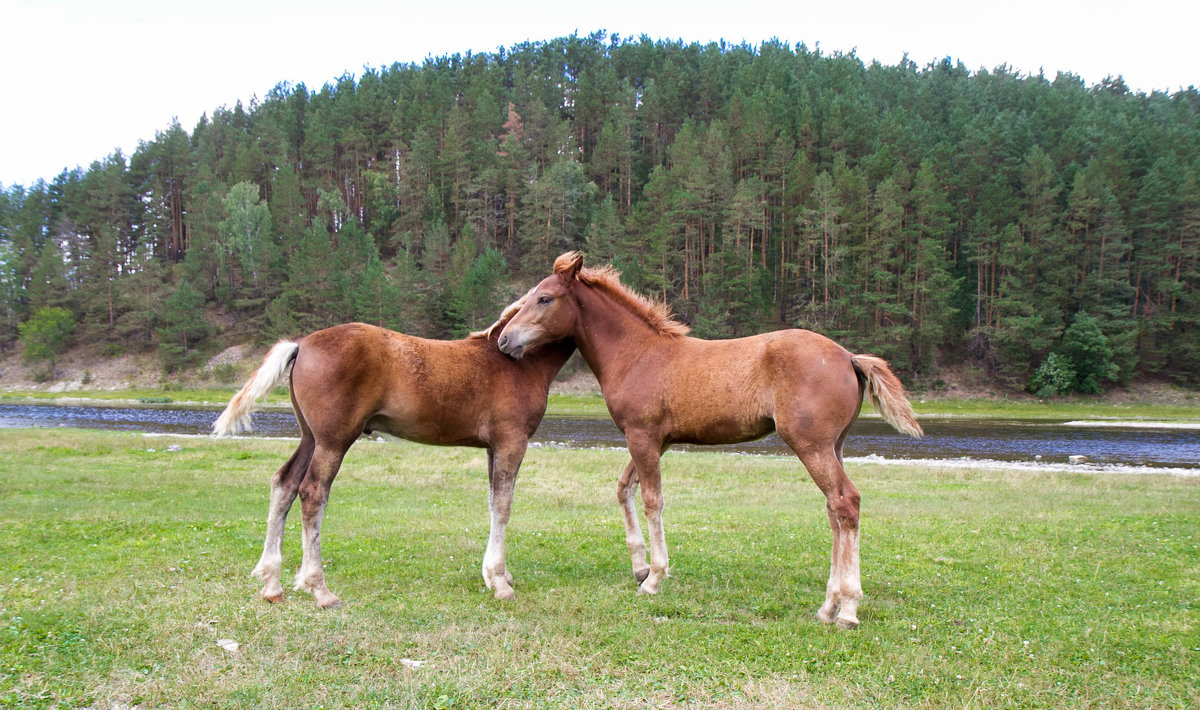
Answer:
(652, 502)
(310, 490)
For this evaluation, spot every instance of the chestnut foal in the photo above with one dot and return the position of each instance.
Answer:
(357, 379)
(663, 387)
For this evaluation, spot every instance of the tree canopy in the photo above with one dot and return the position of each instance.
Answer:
(931, 215)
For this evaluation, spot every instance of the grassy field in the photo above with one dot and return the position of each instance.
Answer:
(122, 564)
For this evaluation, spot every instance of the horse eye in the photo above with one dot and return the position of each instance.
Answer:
(544, 300)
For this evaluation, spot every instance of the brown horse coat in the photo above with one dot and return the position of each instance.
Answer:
(663, 387)
(357, 379)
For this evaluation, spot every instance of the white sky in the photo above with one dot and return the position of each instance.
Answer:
(84, 77)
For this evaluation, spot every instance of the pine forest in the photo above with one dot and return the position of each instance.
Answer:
(1040, 230)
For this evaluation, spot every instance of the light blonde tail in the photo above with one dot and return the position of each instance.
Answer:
(887, 394)
(236, 417)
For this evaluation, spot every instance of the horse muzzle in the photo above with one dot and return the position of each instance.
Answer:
(510, 347)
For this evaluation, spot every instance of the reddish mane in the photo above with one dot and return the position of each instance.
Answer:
(655, 312)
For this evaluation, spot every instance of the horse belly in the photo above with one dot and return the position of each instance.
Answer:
(425, 430)
(720, 429)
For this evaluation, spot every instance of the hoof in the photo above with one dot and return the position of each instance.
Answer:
(333, 603)
(273, 598)
(507, 595)
(824, 618)
(847, 624)
(643, 589)
(641, 575)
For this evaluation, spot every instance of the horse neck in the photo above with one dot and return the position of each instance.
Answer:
(609, 336)
(548, 360)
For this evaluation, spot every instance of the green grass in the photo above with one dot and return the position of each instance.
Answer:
(576, 405)
(121, 568)
(1072, 408)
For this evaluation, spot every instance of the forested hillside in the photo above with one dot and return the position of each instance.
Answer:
(1039, 228)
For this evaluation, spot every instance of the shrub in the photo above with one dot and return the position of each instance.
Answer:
(46, 334)
(1090, 354)
(1054, 376)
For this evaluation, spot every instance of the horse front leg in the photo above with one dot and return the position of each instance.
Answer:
(646, 453)
(627, 487)
(503, 465)
(314, 496)
(284, 485)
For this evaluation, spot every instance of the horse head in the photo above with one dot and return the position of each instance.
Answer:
(549, 312)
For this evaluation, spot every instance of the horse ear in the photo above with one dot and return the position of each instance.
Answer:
(568, 265)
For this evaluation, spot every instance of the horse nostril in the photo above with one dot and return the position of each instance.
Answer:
(503, 341)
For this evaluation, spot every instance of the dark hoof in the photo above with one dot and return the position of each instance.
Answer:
(641, 575)
(274, 598)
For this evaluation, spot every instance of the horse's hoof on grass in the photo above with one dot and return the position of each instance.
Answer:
(335, 603)
(847, 624)
(273, 598)
(823, 618)
(641, 575)
(506, 596)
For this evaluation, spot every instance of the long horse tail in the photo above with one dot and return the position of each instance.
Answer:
(236, 417)
(886, 393)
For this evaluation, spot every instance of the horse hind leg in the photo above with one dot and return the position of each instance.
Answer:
(843, 591)
(627, 487)
(314, 495)
(284, 485)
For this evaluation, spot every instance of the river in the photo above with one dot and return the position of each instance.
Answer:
(1107, 445)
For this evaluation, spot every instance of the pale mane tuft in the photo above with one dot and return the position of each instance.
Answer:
(505, 317)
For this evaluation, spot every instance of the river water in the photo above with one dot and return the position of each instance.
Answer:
(1110, 445)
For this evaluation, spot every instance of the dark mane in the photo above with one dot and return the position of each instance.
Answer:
(656, 313)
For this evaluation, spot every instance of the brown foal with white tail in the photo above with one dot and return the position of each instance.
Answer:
(357, 379)
(663, 387)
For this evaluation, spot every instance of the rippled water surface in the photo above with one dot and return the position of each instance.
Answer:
(1000, 440)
